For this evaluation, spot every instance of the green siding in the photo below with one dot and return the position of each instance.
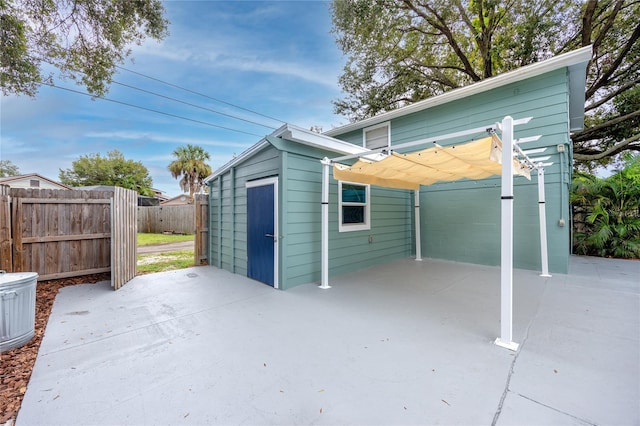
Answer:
(348, 251)
(460, 221)
(228, 239)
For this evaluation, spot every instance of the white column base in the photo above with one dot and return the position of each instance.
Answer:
(512, 346)
(418, 259)
(324, 287)
(546, 275)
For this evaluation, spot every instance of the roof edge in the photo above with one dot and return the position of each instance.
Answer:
(565, 60)
(30, 175)
(244, 155)
(295, 134)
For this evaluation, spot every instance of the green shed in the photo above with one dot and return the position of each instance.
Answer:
(266, 205)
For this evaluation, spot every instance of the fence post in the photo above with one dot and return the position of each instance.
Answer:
(6, 257)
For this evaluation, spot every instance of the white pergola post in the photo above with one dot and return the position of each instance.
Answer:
(416, 201)
(506, 239)
(544, 257)
(324, 262)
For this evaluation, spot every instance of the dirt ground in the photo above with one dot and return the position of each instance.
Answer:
(16, 365)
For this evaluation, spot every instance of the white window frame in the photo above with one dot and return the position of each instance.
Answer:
(348, 227)
(386, 124)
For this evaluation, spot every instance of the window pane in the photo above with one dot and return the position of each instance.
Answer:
(354, 193)
(352, 214)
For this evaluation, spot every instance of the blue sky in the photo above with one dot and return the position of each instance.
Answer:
(275, 57)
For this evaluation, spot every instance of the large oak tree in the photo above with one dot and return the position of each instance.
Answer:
(83, 39)
(403, 51)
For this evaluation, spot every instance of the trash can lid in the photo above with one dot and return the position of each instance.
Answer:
(11, 278)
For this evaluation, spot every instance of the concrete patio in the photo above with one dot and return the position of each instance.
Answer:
(403, 343)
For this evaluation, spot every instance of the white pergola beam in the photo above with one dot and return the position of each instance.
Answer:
(425, 141)
(534, 151)
(526, 140)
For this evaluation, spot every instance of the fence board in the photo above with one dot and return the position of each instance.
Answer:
(174, 219)
(201, 252)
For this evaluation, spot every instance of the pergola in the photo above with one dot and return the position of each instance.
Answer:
(409, 165)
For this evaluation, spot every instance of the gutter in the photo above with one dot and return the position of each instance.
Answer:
(569, 59)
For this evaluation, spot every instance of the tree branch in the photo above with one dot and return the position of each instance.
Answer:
(608, 25)
(441, 25)
(587, 21)
(612, 95)
(589, 134)
(615, 149)
(615, 64)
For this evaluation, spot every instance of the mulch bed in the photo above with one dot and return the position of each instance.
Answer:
(16, 365)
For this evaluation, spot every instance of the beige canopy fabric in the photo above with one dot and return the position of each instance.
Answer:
(472, 160)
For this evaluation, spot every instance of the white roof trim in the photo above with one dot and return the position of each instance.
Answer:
(565, 60)
(246, 154)
(295, 134)
(316, 140)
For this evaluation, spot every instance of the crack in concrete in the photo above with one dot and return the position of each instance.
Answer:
(506, 390)
(583, 421)
(496, 416)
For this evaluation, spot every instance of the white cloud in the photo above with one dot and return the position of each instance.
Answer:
(163, 138)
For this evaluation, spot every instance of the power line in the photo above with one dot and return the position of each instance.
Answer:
(192, 105)
(150, 110)
(180, 101)
(200, 94)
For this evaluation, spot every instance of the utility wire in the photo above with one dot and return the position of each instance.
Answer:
(150, 110)
(200, 94)
(192, 105)
(183, 102)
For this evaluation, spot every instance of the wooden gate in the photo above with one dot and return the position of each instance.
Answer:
(124, 223)
(201, 252)
(64, 233)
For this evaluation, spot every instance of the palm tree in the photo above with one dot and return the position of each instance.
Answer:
(190, 165)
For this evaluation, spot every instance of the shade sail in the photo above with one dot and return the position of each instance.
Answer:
(472, 160)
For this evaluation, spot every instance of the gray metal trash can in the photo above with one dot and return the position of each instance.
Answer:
(17, 308)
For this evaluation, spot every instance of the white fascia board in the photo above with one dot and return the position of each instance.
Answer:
(316, 140)
(582, 55)
(295, 134)
(246, 154)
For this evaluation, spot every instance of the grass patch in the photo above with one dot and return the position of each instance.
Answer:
(151, 239)
(159, 262)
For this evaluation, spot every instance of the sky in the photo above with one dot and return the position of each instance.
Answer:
(277, 58)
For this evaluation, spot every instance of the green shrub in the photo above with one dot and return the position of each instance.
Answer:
(607, 212)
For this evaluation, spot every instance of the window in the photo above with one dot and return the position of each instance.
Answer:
(353, 207)
(34, 183)
(376, 136)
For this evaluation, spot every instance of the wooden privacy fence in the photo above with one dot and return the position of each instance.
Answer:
(201, 252)
(174, 219)
(60, 233)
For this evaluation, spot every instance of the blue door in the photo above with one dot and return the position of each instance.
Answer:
(261, 238)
